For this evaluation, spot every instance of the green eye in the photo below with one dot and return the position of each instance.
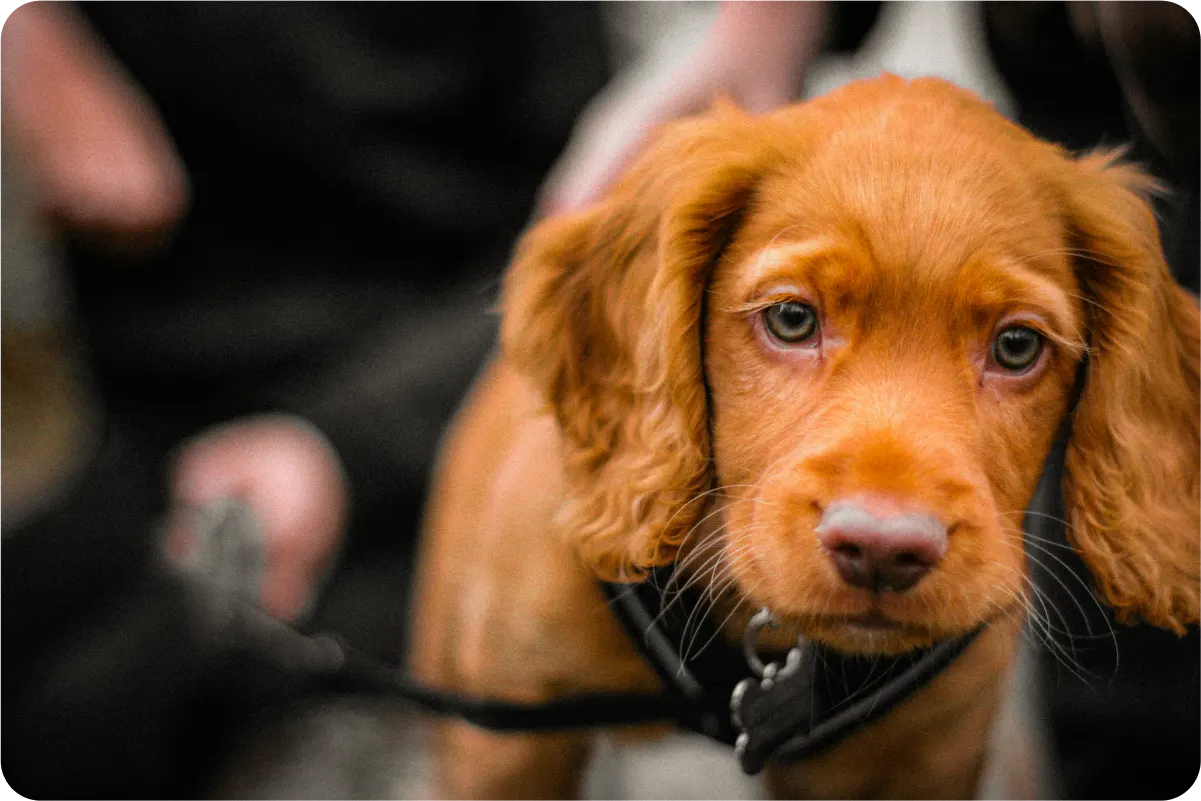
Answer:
(790, 322)
(1016, 348)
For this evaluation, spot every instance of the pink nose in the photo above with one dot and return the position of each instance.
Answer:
(876, 545)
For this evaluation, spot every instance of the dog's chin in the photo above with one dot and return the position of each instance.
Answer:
(857, 623)
(869, 635)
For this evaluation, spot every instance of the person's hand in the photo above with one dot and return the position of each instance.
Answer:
(755, 53)
(90, 144)
(291, 479)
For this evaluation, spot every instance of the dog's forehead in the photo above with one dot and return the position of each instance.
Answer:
(926, 189)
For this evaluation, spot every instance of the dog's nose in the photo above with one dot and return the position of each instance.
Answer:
(877, 545)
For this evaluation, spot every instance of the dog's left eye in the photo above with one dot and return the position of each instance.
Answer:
(1016, 348)
(791, 322)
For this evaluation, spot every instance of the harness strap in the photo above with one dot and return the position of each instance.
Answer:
(792, 714)
(776, 735)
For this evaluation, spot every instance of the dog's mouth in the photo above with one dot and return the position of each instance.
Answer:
(874, 631)
(877, 632)
(875, 620)
(866, 629)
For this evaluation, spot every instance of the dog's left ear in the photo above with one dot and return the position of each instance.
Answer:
(1132, 484)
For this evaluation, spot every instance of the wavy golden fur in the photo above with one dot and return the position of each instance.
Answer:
(603, 309)
(1132, 480)
(917, 222)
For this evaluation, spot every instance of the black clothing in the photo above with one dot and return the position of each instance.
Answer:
(359, 175)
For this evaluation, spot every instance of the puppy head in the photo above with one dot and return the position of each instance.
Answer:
(854, 326)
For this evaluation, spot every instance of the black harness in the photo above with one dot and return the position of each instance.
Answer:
(797, 704)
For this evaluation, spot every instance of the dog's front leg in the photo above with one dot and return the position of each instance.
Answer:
(504, 610)
(475, 763)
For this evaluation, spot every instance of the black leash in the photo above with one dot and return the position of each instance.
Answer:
(223, 577)
(355, 673)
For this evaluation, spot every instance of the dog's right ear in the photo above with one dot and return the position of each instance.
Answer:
(1133, 485)
(603, 310)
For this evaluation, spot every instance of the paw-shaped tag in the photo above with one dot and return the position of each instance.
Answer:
(773, 707)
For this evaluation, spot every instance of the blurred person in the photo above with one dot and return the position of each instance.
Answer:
(282, 228)
(1082, 73)
(1123, 712)
(755, 53)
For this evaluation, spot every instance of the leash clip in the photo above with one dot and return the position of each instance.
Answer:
(764, 619)
(776, 689)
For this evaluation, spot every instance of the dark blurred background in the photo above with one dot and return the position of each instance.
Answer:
(333, 190)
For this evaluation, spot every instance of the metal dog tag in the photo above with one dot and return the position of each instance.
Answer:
(774, 706)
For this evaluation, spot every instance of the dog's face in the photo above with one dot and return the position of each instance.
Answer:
(849, 332)
(887, 365)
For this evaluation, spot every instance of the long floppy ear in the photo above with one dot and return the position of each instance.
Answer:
(603, 309)
(1132, 486)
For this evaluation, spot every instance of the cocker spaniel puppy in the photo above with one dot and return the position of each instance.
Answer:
(816, 359)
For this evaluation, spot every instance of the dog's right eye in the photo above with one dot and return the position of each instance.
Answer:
(1017, 348)
(790, 322)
